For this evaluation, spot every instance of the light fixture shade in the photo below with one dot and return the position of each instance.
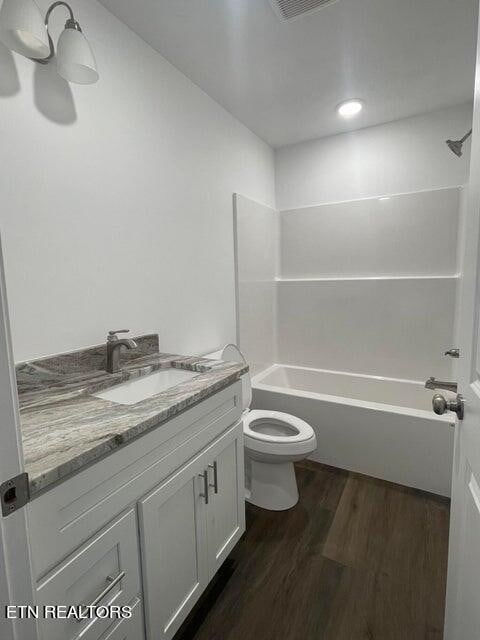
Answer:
(75, 59)
(22, 28)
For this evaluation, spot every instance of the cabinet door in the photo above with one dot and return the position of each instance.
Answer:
(173, 539)
(226, 506)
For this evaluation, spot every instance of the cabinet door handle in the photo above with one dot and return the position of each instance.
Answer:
(215, 476)
(204, 475)
(112, 583)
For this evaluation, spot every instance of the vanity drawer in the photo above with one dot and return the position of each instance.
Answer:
(108, 564)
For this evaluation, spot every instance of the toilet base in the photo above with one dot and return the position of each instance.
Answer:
(272, 486)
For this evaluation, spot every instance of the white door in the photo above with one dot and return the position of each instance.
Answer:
(173, 540)
(463, 591)
(16, 582)
(226, 504)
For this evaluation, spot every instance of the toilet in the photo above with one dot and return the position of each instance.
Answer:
(273, 442)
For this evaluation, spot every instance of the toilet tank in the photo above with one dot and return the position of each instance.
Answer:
(245, 379)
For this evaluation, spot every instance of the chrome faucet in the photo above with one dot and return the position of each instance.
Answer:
(114, 344)
(433, 384)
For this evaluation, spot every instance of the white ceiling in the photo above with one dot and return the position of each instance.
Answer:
(284, 79)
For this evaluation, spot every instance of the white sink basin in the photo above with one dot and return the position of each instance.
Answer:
(139, 389)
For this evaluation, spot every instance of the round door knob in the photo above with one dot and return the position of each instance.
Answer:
(439, 404)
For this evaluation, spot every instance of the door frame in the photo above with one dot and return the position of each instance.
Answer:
(17, 585)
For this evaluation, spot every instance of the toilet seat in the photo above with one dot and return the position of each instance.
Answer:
(301, 441)
(300, 429)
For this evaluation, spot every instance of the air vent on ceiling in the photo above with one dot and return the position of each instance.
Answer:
(290, 9)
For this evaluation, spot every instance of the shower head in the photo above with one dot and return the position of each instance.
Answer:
(456, 145)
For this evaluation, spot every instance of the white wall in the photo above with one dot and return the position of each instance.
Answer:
(256, 236)
(399, 157)
(116, 205)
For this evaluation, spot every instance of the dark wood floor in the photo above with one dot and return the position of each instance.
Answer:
(356, 559)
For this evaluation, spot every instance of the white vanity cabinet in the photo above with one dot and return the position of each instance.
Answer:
(188, 525)
(153, 521)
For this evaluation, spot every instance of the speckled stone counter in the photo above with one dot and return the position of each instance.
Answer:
(65, 428)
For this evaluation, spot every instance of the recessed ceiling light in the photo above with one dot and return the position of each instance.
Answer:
(350, 108)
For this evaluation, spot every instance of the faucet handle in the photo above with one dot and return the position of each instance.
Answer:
(112, 335)
(453, 353)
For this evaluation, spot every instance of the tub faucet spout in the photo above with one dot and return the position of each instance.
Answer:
(433, 384)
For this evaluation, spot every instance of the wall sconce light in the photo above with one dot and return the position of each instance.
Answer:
(23, 30)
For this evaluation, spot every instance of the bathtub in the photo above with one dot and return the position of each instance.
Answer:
(382, 427)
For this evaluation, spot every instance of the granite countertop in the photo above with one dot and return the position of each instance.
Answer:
(65, 428)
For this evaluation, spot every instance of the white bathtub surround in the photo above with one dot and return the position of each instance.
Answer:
(408, 234)
(369, 286)
(380, 427)
(396, 327)
(366, 286)
(256, 248)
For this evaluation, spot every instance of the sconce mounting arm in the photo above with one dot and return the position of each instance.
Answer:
(70, 24)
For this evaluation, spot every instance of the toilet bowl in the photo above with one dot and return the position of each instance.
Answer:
(273, 442)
